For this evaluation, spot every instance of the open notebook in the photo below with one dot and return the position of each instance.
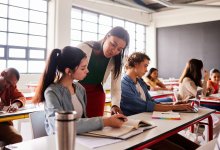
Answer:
(130, 128)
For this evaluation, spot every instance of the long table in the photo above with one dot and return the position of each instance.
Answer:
(164, 129)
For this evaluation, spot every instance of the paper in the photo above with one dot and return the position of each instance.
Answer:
(166, 115)
(94, 142)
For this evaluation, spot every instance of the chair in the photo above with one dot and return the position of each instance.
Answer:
(37, 122)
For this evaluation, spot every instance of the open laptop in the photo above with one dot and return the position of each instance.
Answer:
(195, 102)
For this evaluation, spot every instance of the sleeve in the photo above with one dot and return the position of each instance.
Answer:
(190, 86)
(132, 102)
(53, 104)
(18, 96)
(115, 90)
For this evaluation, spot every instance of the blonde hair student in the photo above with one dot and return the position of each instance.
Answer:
(59, 91)
(152, 80)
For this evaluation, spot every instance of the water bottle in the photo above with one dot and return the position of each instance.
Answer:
(66, 130)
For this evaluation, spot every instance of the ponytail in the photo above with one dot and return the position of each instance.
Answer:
(48, 76)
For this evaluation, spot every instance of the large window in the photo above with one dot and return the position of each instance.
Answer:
(23, 35)
(87, 26)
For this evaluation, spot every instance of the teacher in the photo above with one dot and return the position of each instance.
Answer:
(105, 58)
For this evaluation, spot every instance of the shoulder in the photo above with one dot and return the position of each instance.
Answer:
(85, 47)
(55, 88)
(79, 86)
(187, 79)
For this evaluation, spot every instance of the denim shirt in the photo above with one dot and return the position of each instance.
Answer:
(131, 102)
(58, 98)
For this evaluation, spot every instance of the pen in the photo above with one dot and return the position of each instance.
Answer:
(121, 118)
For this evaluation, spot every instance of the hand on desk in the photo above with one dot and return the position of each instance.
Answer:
(186, 106)
(13, 107)
(115, 121)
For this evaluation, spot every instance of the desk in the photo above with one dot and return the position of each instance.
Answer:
(21, 114)
(213, 99)
(164, 129)
(161, 94)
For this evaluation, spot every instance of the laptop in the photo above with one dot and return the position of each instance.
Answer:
(195, 102)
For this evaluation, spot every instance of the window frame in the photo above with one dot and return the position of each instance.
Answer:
(81, 10)
(27, 47)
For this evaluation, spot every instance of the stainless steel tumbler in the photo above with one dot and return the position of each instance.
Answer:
(66, 130)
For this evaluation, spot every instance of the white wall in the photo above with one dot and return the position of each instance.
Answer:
(177, 17)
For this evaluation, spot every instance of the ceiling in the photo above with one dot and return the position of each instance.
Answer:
(151, 6)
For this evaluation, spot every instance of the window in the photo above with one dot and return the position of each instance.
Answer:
(87, 26)
(23, 35)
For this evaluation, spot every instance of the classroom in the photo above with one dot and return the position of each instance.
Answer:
(146, 71)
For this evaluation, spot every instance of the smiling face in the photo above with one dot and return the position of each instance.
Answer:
(141, 68)
(215, 77)
(81, 71)
(113, 46)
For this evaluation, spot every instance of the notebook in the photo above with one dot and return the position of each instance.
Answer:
(166, 115)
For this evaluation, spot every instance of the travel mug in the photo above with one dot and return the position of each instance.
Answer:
(66, 130)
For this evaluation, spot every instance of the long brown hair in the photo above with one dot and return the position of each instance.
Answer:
(122, 34)
(193, 71)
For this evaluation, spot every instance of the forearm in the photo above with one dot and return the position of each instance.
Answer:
(159, 107)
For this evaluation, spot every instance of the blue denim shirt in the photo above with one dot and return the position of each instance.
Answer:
(131, 102)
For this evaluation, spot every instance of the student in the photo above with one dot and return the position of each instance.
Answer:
(136, 99)
(59, 92)
(11, 97)
(105, 57)
(152, 80)
(213, 83)
(191, 78)
(135, 96)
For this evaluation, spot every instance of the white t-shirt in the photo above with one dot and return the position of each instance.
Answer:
(140, 91)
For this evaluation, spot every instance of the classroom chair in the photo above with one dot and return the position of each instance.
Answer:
(37, 122)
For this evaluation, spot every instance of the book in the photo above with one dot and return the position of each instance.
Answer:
(128, 129)
(166, 115)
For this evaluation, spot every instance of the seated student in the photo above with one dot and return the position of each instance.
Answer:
(213, 83)
(59, 92)
(10, 96)
(152, 80)
(136, 99)
(135, 96)
(191, 78)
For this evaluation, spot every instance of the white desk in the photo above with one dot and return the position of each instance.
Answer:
(164, 129)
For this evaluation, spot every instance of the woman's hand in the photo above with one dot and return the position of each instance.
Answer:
(115, 121)
(116, 110)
